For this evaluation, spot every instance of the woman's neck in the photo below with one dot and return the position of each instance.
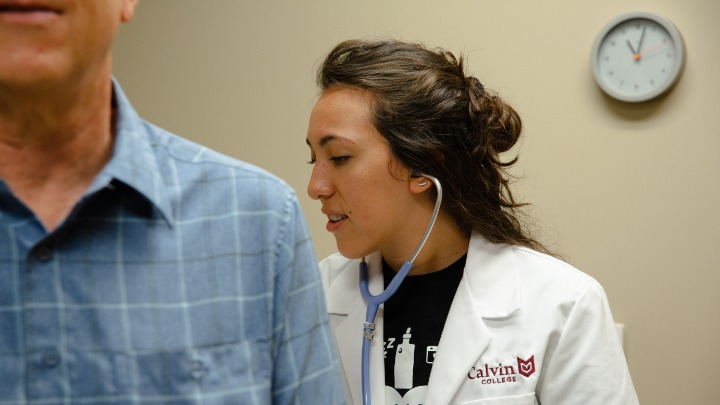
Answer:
(446, 243)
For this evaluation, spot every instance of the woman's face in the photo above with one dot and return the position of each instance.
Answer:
(365, 193)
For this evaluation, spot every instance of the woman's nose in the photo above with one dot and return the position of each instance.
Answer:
(318, 186)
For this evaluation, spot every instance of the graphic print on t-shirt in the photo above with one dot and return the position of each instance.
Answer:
(415, 396)
(413, 322)
(405, 358)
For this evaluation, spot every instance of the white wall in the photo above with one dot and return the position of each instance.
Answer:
(628, 193)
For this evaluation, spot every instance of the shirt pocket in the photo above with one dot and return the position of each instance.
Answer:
(525, 399)
(225, 368)
(233, 371)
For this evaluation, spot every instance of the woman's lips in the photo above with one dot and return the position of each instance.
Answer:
(335, 221)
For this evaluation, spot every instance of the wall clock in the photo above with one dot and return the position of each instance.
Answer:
(637, 57)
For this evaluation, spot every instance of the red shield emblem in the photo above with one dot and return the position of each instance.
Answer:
(526, 367)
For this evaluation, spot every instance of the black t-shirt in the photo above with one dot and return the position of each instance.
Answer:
(414, 318)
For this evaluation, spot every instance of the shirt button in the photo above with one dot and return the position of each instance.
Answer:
(44, 253)
(51, 359)
(197, 369)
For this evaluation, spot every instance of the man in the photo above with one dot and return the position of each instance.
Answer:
(135, 266)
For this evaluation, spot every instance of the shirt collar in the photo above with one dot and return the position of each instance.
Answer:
(133, 161)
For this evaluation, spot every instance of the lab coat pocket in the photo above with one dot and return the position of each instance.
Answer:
(525, 399)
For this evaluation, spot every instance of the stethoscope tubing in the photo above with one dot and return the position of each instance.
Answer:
(374, 301)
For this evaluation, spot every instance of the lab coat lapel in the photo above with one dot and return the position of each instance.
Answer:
(489, 289)
(349, 337)
(463, 340)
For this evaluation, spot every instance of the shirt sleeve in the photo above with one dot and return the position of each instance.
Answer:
(588, 365)
(306, 368)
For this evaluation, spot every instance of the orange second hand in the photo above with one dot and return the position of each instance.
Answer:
(653, 49)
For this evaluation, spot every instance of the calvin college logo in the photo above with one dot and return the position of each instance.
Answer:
(500, 374)
(526, 367)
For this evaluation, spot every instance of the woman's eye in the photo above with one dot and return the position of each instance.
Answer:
(339, 159)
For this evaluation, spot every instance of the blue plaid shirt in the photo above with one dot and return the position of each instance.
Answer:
(181, 277)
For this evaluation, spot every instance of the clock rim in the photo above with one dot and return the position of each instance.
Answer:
(677, 68)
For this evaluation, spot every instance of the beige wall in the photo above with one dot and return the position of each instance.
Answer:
(628, 193)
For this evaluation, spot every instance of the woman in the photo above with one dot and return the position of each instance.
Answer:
(485, 316)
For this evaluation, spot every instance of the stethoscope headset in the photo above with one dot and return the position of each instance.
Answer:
(374, 301)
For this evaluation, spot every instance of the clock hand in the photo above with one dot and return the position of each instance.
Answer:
(641, 40)
(636, 54)
(653, 49)
(631, 47)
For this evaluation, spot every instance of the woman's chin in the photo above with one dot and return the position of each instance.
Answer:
(350, 252)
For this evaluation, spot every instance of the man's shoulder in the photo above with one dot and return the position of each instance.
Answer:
(187, 160)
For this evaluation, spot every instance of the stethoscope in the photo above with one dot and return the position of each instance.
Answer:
(374, 301)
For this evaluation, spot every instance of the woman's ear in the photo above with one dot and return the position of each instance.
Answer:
(419, 183)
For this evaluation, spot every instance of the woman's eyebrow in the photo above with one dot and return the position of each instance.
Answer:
(327, 139)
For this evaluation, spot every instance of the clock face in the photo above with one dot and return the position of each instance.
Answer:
(638, 57)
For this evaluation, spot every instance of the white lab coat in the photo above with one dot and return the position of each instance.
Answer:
(523, 328)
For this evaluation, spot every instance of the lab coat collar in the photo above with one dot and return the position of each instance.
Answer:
(493, 277)
(490, 271)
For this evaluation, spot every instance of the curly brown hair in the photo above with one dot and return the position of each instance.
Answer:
(439, 121)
